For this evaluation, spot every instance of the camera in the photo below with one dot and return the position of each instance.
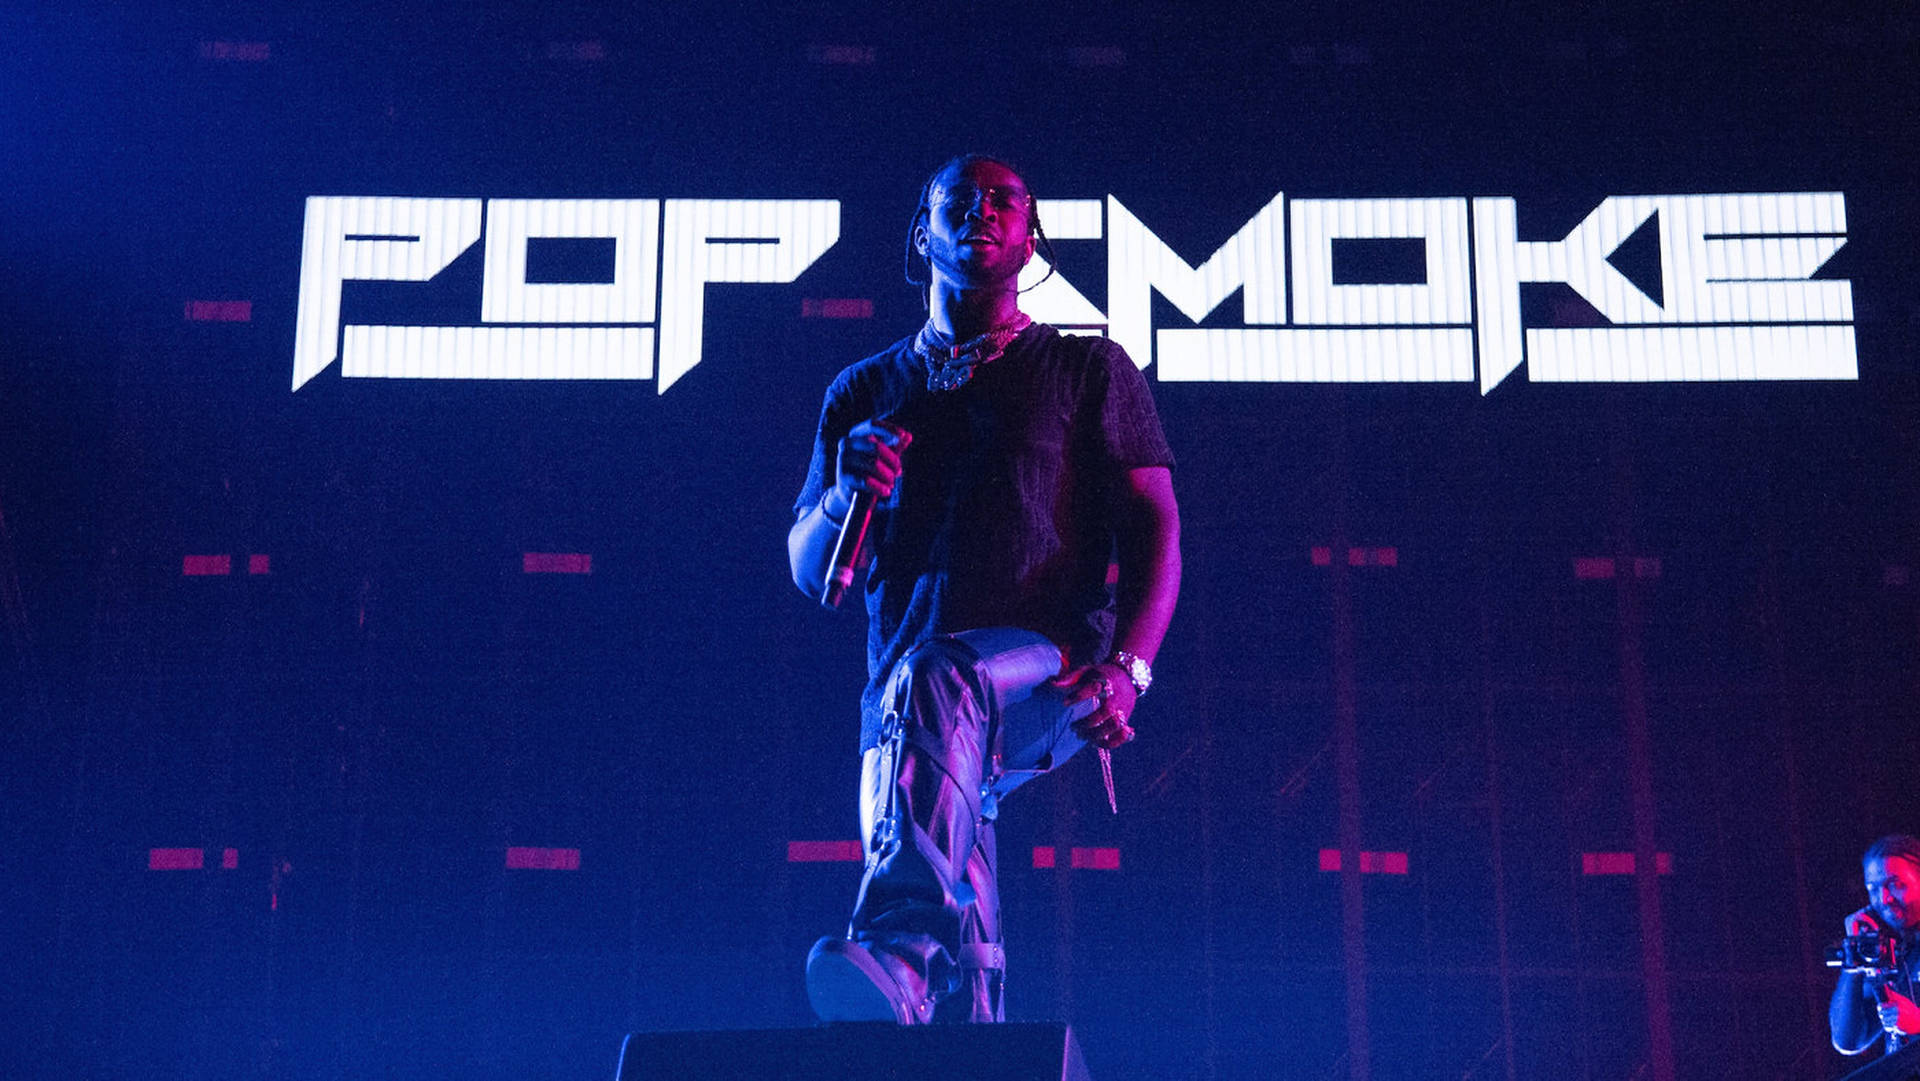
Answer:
(1870, 952)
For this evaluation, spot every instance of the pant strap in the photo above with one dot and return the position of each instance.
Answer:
(987, 955)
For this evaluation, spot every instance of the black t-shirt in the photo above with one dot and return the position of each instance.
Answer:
(1004, 512)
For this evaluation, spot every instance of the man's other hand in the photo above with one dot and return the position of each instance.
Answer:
(1112, 724)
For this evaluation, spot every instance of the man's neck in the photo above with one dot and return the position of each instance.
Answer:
(961, 314)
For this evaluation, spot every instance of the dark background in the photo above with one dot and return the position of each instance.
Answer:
(372, 723)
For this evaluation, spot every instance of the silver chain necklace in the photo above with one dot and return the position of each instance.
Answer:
(951, 365)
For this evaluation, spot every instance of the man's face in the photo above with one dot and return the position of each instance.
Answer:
(979, 228)
(1893, 889)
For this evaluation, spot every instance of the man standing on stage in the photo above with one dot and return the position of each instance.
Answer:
(1867, 1004)
(1010, 468)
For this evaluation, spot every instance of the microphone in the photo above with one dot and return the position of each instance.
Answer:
(853, 530)
(846, 550)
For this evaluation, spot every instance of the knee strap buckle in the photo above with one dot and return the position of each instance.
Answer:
(991, 956)
(886, 826)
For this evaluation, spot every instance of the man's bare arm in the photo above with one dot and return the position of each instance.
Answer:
(1852, 1015)
(868, 460)
(810, 544)
(1149, 584)
(1149, 553)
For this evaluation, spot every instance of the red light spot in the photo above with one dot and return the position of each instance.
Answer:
(824, 852)
(1383, 863)
(1043, 856)
(259, 564)
(219, 311)
(176, 859)
(1371, 863)
(1356, 557)
(1621, 863)
(234, 50)
(1322, 556)
(1384, 557)
(836, 308)
(1593, 567)
(229, 859)
(200, 566)
(1097, 859)
(543, 859)
(556, 563)
(1646, 566)
(1606, 863)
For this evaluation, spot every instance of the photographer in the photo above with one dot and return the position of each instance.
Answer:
(1876, 992)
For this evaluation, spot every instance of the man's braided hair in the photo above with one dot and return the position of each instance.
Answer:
(919, 271)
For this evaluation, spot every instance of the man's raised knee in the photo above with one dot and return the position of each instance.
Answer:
(934, 688)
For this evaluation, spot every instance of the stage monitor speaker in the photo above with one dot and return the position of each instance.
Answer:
(1042, 1051)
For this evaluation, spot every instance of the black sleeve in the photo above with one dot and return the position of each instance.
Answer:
(820, 466)
(1130, 432)
(848, 402)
